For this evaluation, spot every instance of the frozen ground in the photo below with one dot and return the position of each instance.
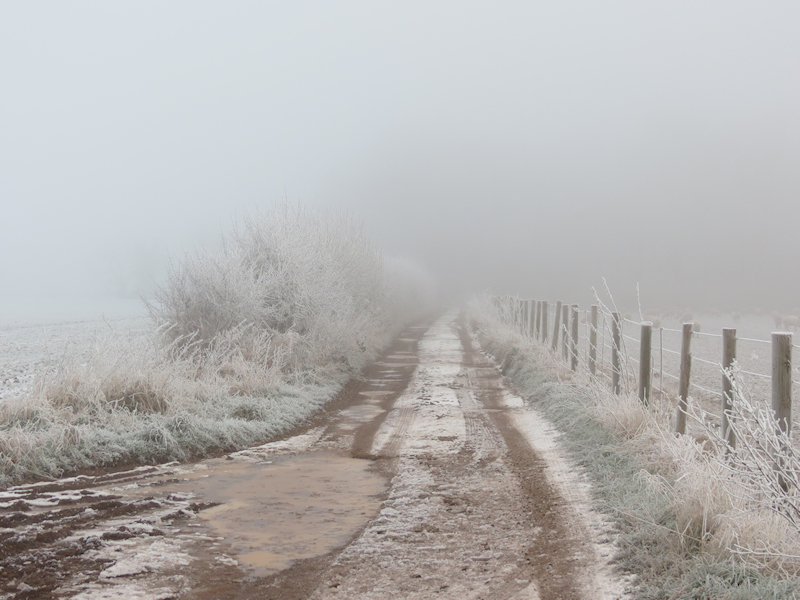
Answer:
(37, 334)
(431, 477)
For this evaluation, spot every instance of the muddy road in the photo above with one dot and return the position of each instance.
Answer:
(424, 478)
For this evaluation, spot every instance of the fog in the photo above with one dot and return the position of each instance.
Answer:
(523, 148)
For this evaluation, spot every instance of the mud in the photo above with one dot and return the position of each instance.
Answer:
(422, 478)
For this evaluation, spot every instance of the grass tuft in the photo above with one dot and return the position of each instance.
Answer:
(246, 344)
(694, 520)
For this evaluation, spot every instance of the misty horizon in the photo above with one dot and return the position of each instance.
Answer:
(526, 150)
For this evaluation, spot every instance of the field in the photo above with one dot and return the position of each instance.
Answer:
(38, 335)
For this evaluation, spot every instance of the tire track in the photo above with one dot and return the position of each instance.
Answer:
(401, 424)
(483, 441)
(470, 513)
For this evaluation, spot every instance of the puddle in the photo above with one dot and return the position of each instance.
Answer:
(296, 507)
(355, 416)
(377, 394)
(260, 509)
(273, 509)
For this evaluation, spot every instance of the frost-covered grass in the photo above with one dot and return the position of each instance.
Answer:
(692, 522)
(245, 344)
(313, 283)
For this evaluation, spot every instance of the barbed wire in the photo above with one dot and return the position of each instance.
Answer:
(708, 362)
(744, 339)
(702, 334)
(699, 387)
(529, 319)
(755, 374)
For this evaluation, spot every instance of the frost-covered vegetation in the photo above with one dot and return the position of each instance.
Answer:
(246, 343)
(695, 519)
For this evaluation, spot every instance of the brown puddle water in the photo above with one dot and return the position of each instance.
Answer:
(291, 507)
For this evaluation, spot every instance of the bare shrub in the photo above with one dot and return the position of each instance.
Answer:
(312, 281)
(760, 476)
(246, 343)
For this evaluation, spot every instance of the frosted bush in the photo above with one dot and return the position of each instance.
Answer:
(313, 282)
(246, 343)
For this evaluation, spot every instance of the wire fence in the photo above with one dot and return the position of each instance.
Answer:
(753, 353)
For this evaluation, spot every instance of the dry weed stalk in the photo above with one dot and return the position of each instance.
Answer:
(742, 501)
(761, 476)
(246, 343)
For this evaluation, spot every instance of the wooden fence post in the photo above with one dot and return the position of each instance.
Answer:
(573, 339)
(545, 311)
(528, 316)
(536, 316)
(616, 330)
(565, 332)
(593, 340)
(532, 323)
(686, 370)
(531, 319)
(645, 368)
(556, 326)
(523, 321)
(782, 391)
(728, 356)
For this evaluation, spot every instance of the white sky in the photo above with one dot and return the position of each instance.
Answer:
(530, 147)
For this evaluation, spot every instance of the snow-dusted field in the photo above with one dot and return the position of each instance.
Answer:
(36, 335)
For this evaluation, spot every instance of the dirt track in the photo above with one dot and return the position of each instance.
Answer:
(424, 478)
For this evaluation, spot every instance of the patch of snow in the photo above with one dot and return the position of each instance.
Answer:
(149, 556)
(569, 481)
(298, 443)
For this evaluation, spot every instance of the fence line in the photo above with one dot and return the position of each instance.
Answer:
(767, 342)
(754, 374)
(707, 362)
(615, 355)
(713, 335)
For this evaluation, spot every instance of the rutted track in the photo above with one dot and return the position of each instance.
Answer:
(453, 494)
(473, 511)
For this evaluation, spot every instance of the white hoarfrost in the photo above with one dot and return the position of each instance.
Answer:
(417, 536)
(574, 486)
(455, 521)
